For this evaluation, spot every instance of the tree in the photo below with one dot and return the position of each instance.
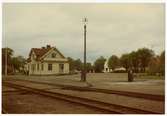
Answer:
(18, 63)
(157, 64)
(99, 64)
(162, 63)
(78, 64)
(134, 60)
(89, 67)
(125, 61)
(71, 64)
(154, 65)
(145, 55)
(9, 52)
(74, 64)
(113, 62)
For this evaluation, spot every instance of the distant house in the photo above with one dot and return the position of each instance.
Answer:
(120, 69)
(46, 61)
(106, 67)
(117, 69)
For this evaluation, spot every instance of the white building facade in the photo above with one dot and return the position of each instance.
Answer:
(106, 67)
(46, 61)
(117, 69)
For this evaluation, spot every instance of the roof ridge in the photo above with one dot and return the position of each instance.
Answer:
(39, 52)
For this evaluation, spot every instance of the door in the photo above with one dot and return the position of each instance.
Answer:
(61, 68)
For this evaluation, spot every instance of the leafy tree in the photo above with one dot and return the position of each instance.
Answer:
(71, 64)
(134, 60)
(154, 65)
(89, 67)
(75, 64)
(9, 52)
(18, 63)
(162, 63)
(78, 64)
(113, 62)
(125, 61)
(99, 64)
(157, 64)
(145, 55)
(9, 55)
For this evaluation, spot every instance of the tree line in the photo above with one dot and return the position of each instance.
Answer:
(141, 60)
(14, 64)
(77, 65)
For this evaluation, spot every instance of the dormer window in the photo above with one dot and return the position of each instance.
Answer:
(53, 55)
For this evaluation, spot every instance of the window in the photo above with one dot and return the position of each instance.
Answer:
(41, 66)
(38, 67)
(49, 66)
(106, 69)
(53, 55)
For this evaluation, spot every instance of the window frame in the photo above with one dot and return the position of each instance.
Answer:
(53, 55)
(50, 67)
(38, 67)
(42, 67)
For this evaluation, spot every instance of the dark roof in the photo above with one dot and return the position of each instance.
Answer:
(39, 52)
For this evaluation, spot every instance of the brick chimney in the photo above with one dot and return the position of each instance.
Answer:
(48, 46)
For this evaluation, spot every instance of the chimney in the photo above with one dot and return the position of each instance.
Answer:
(48, 46)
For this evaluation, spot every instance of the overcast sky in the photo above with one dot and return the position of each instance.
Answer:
(112, 28)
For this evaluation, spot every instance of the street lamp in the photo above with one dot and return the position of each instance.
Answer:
(83, 76)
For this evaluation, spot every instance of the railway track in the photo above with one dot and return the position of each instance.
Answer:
(107, 107)
(123, 93)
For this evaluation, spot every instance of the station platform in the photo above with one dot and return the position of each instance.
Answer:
(102, 81)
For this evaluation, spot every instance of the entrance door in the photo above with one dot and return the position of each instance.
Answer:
(61, 68)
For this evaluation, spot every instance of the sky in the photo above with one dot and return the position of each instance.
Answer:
(112, 29)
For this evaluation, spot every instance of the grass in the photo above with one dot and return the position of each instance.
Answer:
(96, 77)
(152, 77)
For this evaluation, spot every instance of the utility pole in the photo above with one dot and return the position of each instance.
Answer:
(83, 76)
(6, 62)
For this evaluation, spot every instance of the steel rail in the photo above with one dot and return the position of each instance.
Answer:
(111, 108)
(118, 92)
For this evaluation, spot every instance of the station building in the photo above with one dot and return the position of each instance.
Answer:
(46, 61)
